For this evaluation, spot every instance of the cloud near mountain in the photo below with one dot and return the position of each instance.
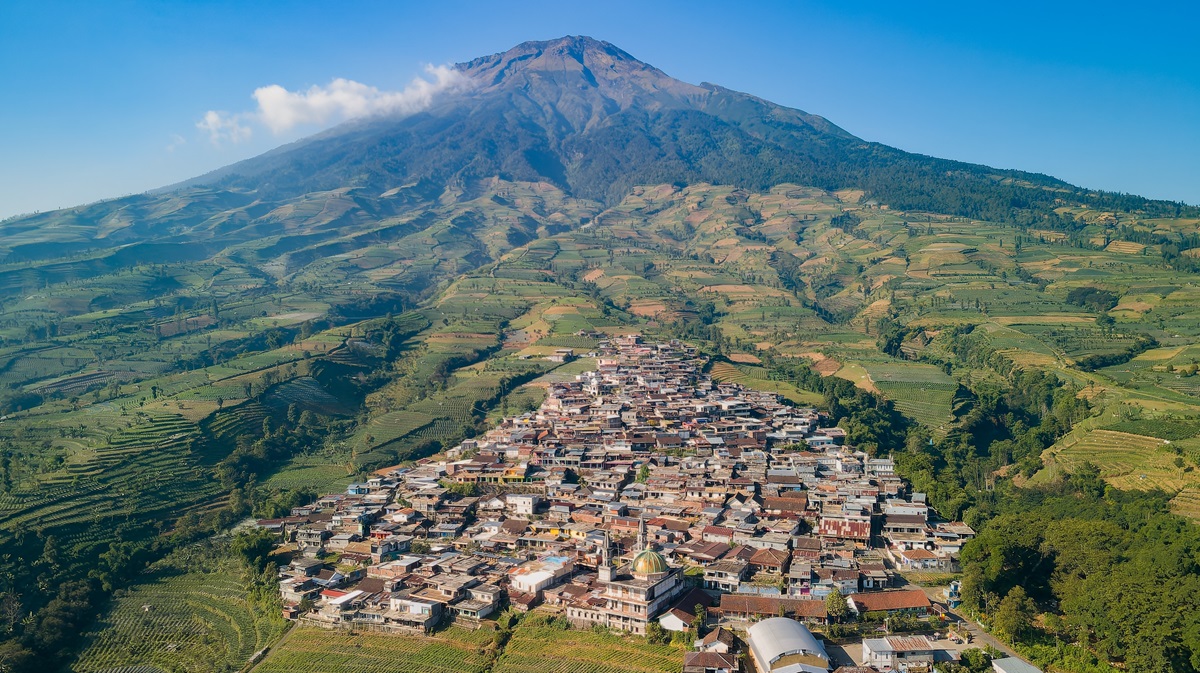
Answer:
(280, 110)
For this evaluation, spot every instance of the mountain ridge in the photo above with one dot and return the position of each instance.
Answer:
(591, 118)
(596, 122)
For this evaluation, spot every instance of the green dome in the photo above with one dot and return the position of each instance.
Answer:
(649, 562)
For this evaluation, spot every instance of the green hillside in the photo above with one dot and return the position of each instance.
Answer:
(174, 362)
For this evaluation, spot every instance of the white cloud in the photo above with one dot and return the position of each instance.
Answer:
(222, 126)
(176, 141)
(280, 110)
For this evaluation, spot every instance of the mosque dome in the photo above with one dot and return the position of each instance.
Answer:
(649, 562)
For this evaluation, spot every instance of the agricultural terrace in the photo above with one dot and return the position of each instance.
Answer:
(542, 645)
(756, 378)
(1125, 460)
(306, 648)
(190, 613)
(921, 392)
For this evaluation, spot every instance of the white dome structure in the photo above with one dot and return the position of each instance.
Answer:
(782, 645)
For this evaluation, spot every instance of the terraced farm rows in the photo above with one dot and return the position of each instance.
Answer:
(182, 621)
(921, 392)
(535, 648)
(307, 394)
(1125, 461)
(755, 378)
(307, 648)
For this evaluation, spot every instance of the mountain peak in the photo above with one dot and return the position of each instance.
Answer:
(578, 80)
(569, 54)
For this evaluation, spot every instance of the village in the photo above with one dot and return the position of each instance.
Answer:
(647, 498)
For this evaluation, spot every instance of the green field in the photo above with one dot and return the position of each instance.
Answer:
(921, 392)
(756, 379)
(189, 613)
(306, 648)
(536, 647)
(1125, 460)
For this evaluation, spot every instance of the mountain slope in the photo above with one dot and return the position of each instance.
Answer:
(595, 121)
(580, 114)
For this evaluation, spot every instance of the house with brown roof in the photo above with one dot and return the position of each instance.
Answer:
(745, 606)
(773, 561)
(710, 662)
(719, 639)
(903, 601)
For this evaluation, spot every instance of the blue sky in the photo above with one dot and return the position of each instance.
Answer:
(103, 99)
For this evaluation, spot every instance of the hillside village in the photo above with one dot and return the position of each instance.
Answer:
(640, 494)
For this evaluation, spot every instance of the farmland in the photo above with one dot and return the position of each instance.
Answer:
(1125, 460)
(187, 613)
(541, 644)
(453, 650)
(757, 379)
(921, 392)
(403, 342)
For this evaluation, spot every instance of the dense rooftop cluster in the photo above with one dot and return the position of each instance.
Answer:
(633, 494)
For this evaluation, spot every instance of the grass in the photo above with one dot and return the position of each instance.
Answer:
(755, 378)
(189, 613)
(538, 648)
(1126, 461)
(454, 650)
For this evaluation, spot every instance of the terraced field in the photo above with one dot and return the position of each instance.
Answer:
(755, 378)
(535, 648)
(318, 473)
(921, 392)
(182, 619)
(316, 650)
(1125, 461)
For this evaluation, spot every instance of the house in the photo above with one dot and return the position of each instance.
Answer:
(532, 577)
(524, 505)
(772, 561)
(898, 653)
(710, 662)
(413, 611)
(719, 639)
(743, 606)
(726, 574)
(909, 601)
(482, 600)
(681, 616)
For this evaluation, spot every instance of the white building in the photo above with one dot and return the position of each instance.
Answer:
(1013, 665)
(781, 645)
(533, 576)
(898, 653)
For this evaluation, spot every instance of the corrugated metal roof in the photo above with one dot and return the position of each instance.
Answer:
(776, 637)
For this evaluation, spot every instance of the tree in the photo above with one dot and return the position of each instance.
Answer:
(976, 660)
(643, 473)
(655, 633)
(254, 547)
(835, 605)
(1015, 614)
(10, 611)
(16, 659)
(701, 622)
